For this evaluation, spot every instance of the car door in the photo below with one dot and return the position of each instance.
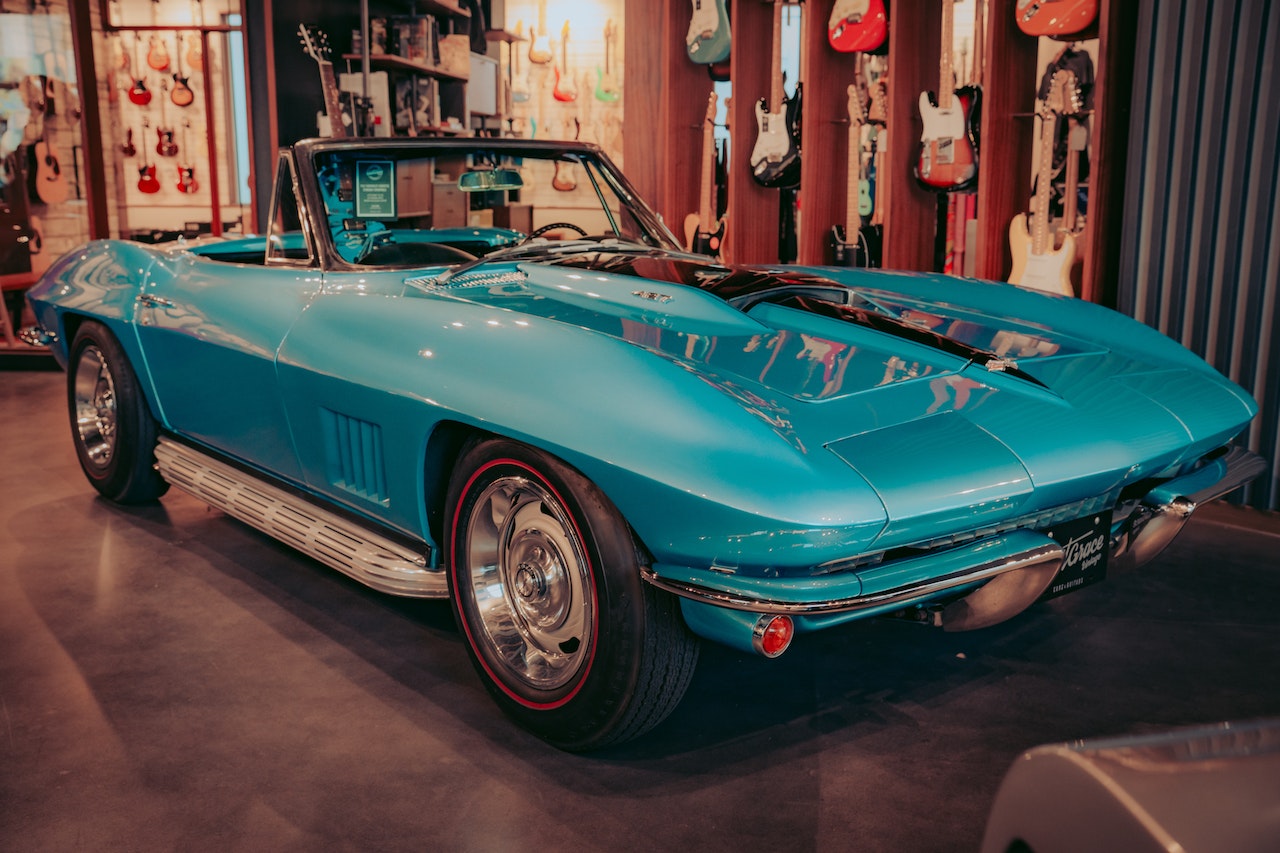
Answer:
(210, 332)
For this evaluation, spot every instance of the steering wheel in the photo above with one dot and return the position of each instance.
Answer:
(551, 226)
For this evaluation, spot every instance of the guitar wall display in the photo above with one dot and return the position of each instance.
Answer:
(948, 160)
(708, 38)
(775, 157)
(1036, 261)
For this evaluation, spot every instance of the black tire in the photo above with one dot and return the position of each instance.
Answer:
(545, 583)
(111, 424)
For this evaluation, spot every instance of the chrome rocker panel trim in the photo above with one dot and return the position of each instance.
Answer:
(339, 543)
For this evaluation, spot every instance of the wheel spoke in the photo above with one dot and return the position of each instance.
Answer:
(95, 406)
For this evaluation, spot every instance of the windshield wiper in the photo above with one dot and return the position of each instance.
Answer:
(540, 249)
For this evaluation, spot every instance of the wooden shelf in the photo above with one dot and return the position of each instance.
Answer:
(444, 7)
(399, 63)
(503, 35)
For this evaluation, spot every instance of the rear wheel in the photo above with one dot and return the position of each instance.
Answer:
(111, 424)
(545, 582)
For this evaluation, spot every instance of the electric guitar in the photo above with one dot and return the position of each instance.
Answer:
(187, 182)
(1036, 263)
(128, 149)
(703, 233)
(857, 25)
(138, 93)
(948, 160)
(166, 145)
(1055, 18)
(181, 94)
(147, 182)
(316, 44)
(775, 158)
(519, 82)
(565, 178)
(849, 245)
(539, 39)
(707, 40)
(158, 54)
(606, 82)
(565, 89)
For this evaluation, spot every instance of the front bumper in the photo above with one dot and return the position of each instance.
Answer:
(1023, 562)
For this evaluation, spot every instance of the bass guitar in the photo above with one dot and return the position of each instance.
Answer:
(775, 157)
(1036, 263)
(703, 233)
(857, 25)
(708, 40)
(849, 244)
(948, 160)
(1055, 18)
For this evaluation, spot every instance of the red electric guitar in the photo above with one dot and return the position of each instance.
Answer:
(187, 182)
(948, 159)
(703, 233)
(147, 181)
(857, 25)
(1055, 18)
(138, 93)
(565, 88)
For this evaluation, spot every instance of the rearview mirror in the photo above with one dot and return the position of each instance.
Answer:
(491, 179)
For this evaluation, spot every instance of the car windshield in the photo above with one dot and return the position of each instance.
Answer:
(407, 205)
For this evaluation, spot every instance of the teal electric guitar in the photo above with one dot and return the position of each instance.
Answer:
(708, 38)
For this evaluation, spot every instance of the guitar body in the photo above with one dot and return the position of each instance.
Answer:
(158, 54)
(565, 90)
(47, 180)
(187, 182)
(520, 89)
(138, 93)
(775, 158)
(165, 146)
(1051, 271)
(708, 38)
(862, 252)
(564, 180)
(147, 182)
(703, 242)
(606, 86)
(128, 149)
(948, 159)
(1055, 18)
(857, 25)
(539, 48)
(181, 94)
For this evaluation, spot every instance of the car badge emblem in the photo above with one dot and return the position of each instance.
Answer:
(649, 294)
(1000, 365)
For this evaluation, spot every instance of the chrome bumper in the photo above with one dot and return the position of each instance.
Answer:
(1024, 562)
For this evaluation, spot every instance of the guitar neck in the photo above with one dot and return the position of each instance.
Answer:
(775, 78)
(946, 71)
(853, 219)
(332, 104)
(1040, 239)
(706, 214)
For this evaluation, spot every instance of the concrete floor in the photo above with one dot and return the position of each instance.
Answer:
(171, 680)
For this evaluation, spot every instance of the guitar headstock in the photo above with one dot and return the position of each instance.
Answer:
(1064, 95)
(315, 43)
(857, 111)
(711, 108)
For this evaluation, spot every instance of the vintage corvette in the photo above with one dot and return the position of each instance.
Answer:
(448, 373)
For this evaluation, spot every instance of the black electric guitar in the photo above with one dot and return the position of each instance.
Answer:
(775, 158)
(316, 45)
(703, 233)
(851, 244)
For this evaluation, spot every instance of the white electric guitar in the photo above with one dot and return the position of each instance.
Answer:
(775, 158)
(1036, 263)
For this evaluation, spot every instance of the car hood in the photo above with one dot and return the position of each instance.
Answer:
(950, 397)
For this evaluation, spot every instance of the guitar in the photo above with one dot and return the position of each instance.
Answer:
(138, 93)
(1055, 18)
(127, 148)
(158, 54)
(849, 246)
(948, 160)
(565, 178)
(147, 181)
(702, 231)
(565, 89)
(519, 82)
(166, 146)
(1077, 141)
(606, 82)
(187, 182)
(316, 45)
(857, 25)
(195, 50)
(539, 39)
(775, 157)
(708, 40)
(181, 94)
(46, 179)
(1036, 263)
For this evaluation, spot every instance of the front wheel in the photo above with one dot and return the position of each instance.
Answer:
(111, 424)
(545, 582)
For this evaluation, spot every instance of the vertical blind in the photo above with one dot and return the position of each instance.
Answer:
(1200, 258)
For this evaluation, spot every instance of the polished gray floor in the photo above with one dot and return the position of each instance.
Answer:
(171, 680)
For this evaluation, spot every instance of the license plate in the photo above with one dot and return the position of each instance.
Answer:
(1085, 542)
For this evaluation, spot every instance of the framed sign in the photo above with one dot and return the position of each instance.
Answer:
(375, 189)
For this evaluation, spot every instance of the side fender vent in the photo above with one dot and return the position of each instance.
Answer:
(353, 456)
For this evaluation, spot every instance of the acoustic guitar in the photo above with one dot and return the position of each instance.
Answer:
(948, 160)
(47, 182)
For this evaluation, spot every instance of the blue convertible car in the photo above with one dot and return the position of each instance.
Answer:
(484, 370)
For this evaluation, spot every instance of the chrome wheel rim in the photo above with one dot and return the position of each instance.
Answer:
(95, 407)
(529, 582)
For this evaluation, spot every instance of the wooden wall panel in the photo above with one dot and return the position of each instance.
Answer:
(753, 210)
